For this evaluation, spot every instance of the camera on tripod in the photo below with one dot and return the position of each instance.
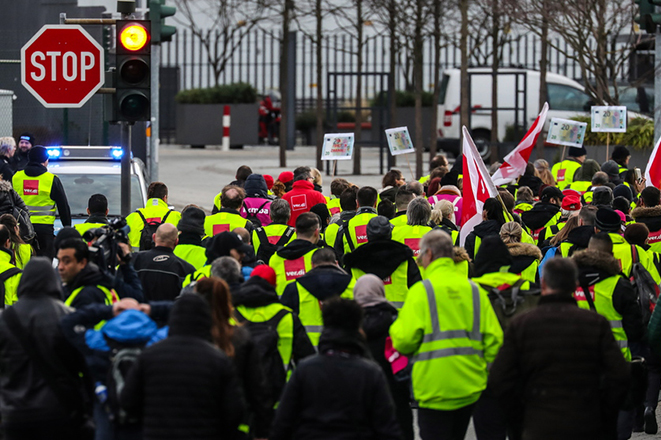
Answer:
(104, 248)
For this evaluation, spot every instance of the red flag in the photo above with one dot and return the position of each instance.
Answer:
(514, 164)
(478, 187)
(653, 170)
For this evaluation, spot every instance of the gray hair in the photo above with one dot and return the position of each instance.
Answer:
(415, 187)
(418, 212)
(280, 211)
(438, 242)
(228, 269)
(7, 144)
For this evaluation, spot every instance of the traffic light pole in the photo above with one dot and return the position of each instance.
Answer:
(155, 135)
(125, 190)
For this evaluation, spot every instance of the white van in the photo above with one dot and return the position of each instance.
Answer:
(566, 99)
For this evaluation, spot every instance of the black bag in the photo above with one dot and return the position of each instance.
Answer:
(265, 337)
(253, 218)
(26, 230)
(509, 302)
(4, 276)
(644, 285)
(121, 361)
(146, 242)
(266, 249)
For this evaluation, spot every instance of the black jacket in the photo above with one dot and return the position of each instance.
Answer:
(579, 238)
(539, 215)
(161, 273)
(484, 229)
(323, 282)
(532, 182)
(57, 192)
(10, 199)
(338, 394)
(257, 292)
(382, 258)
(20, 160)
(184, 387)
(594, 267)
(523, 255)
(6, 169)
(88, 278)
(296, 249)
(26, 397)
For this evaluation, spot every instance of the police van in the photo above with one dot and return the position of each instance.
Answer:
(85, 171)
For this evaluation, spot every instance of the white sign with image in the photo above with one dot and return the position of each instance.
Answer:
(399, 141)
(338, 146)
(566, 132)
(611, 119)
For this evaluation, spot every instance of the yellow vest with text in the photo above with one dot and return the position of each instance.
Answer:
(273, 232)
(334, 206)
(410, 236)
(357, 231)
(155, 209)
(36, 193)
(309, 311)
(287, 271)
(396, 285)
(563, 172)
(223, 222)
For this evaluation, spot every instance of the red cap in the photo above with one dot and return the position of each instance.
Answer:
(269, 181)
(265, 272)
(286, 176)
(571, 192)
(571, 203)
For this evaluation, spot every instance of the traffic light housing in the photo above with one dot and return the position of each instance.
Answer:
(158, 12)
(647, 17)
(132, 100)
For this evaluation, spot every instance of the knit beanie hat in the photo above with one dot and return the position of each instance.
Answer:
(192, 220)
(269, 180)
(623, 191)
(286, 176)
(27, 137)
(265, 272)
(607, 220)
(379, 228)
(37, 154)
(190, 316)
(577, 151)
(620, 153)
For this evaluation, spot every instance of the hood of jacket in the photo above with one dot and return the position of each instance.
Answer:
(594, 266)
(581, 236)
(539, 215)
(447, 223)
(380, 257)
(191, 316)
(255, 186)
(91, 275)
(650, 216)
(256, 292)
(325, 281)
(486, 228)
(35, 169)
(296, 249)
(341, 340)
(188, 237)
(5, 186)
(524, 250)
(39, 279)
(302, 185)
(131, 327)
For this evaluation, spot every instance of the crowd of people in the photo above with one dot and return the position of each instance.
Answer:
(288, 314)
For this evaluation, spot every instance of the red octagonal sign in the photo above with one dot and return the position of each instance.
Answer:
(62, 66)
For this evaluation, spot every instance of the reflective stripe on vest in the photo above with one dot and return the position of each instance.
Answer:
(444, 335)
(36, 193)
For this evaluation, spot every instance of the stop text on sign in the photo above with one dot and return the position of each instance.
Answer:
(66, 64)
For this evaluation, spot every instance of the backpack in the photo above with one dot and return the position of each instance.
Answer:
(121, 361)
(26, 230)
(265, 338)
(509, 302)
(646, 289)
(4, 276)
(266, 249)
(253, 218)
(149, 230)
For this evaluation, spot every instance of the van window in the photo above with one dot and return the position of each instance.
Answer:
(562, 97)
(443, 89)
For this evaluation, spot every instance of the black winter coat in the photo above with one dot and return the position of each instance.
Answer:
(382, 258)
(484, 229)
(539, 215)
(323, 282)
(338, 394)
(563, 365)
(161, 273)
(88, 278)
(6, 169)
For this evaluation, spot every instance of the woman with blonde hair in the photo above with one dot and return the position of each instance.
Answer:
(525, 256)
(542, 167)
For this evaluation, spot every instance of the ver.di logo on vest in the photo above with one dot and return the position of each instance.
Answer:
(30, 187)
(294, 268)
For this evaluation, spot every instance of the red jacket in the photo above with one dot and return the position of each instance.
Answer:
(301, 198)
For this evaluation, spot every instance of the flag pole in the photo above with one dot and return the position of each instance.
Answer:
(608, 141)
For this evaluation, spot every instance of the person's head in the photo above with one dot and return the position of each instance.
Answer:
(601, 242)
(571, 205)
(7, 146)
(10, 222)
(191, 317)
(599, 179)
(511, 232)
(587, 171)
(403, 197)
(264, 272)
(438, 161)
(602, 196)
(621, 155)
(73, 255)
(386, 208)
(418, 212)
(559, 277)
(416, 188)
(612, 169)
(393, 178)
(227, 269)
(622, 204)
(308, 227)
(367, 197)
(321, 209)
(607, 220)
(369, 291)
(447, 209)
(438, 173)
(342, 314)
(493, 210)
(242, 173)
(166, 235)
(338, 185)
(192, 220)
(434, 186)
(507, 198)
(25, 142)
(5, 237)
(324, 257)
(303, 173)
(97, 205)
(552, 195)
(217, 294)
(587, 215)
(524, 194)
(232, 197)
(578, 153)
(243, 234)
(280, 212)
(650, 197)
(316, 177)
(434, 244)
(157, 190)
(38, 154)
(623, 190)
(378, 228)
(348, 199)
(637, 233)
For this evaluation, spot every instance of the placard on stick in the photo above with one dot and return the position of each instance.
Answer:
(338, 146)
(566, 132)
(399, 141)
(609, 119)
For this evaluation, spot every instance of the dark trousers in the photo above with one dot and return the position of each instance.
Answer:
(42, 430)
(46, 239)
(444, 425)
(495, 419)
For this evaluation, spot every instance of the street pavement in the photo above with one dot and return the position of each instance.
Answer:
(197, 175)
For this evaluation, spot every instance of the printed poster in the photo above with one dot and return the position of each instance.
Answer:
(338, 146)
(399, 141)
(566, 132)
(611, 119)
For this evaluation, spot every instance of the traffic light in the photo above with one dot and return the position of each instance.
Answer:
(158, 12)
(647, 17)
(133, 74)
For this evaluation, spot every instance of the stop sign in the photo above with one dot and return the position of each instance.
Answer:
(62, 66)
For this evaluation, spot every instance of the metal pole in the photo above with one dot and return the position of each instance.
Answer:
(290, 117)
(126, 169)
(155, 116)
(657, 86)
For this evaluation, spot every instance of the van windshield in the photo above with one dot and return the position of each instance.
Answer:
(443, 89)
(79, 188)
(568, 98)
